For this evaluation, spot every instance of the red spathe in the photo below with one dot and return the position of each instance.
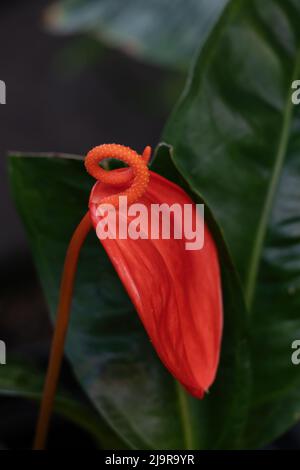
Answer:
(176, 292)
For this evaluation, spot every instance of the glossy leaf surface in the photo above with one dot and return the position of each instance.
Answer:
(235, 138)
(166, 32)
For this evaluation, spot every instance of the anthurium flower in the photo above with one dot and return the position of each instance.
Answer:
(176, 291)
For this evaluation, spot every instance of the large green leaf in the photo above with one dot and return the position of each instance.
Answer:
(162, 31)
(108, 348)
(19, 380)
(235, 138)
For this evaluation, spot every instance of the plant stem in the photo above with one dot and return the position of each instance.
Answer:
(60, 332)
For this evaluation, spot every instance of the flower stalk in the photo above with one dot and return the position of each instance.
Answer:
(60, 332)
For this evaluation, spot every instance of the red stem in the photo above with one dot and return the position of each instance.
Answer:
(60, 332)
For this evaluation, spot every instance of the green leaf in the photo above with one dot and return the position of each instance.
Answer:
(235, 139)
(19, 380)
(107, 346)
(166, 32)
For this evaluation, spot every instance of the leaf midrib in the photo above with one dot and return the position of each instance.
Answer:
(267, 208)
(185, 416)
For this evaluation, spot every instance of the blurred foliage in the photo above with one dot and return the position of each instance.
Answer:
(18, 379)
(164, 32)
(149, 91)
(82, 53)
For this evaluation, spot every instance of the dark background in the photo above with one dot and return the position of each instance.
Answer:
(64, 94)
